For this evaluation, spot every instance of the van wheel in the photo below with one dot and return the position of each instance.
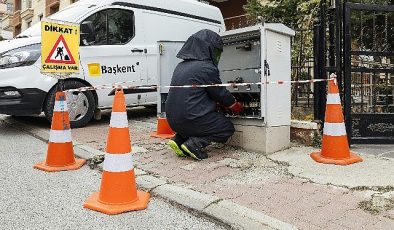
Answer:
(80, 105)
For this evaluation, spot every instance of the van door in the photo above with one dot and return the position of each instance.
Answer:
(116, 52)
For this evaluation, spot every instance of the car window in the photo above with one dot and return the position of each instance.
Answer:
(112, 26)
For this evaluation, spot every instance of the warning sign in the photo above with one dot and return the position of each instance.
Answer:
(60, 53)
(59, 47)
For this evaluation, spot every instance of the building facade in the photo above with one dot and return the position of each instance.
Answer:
(6, 11)
(44, 8)
(24, 13)
(28, 12)
(233, 13)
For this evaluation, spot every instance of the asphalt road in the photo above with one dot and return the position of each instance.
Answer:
(32, 199)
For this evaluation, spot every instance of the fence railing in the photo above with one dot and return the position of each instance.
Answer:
(302, 69)
(302, 94)
(239, 21)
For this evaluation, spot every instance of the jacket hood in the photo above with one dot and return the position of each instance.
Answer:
(200, 46)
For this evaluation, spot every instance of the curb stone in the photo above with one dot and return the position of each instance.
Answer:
(148, 182)
(224, 211)
(185, 197)
(240, 217)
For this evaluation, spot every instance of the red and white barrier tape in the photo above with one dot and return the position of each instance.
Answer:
(123, 85)
(98, 87)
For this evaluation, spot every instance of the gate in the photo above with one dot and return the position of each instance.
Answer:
(369, 72)
(356, 41)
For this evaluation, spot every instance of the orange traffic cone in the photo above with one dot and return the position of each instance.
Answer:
(335, 147)
(118, 191)
(60, 155)
(164, 130)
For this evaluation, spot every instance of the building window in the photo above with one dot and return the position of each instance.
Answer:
(10, 8)
(53, 10)
(17, 30)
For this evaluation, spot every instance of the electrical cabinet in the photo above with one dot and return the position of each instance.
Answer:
(258, 57)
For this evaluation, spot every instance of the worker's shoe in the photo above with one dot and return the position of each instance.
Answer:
(194, 150)
(175, 145)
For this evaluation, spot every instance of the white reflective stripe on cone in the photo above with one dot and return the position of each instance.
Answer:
(60, 136)
(118, 162)
(60, 106)
(333, 99)
(119, 120)
(334, 129)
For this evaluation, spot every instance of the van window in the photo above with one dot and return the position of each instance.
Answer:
(112, 26)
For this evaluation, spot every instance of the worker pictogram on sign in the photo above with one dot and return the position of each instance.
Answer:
(60, 53)
(59, 48)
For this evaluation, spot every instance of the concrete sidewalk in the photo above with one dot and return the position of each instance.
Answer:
(287, 185)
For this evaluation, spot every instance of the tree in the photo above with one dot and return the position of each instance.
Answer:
(297, 14)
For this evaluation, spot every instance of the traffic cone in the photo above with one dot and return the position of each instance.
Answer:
(60, 154)
(164, 130)
(335, 147)
(118, 191)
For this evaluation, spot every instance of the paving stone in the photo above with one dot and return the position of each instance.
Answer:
(355, 219)
(305, 224)
(381, 225)
(233, 163)
(169, 174)
(189, 167)
(322, 216)
(218, 173)
(145, 160)
(230, 191)
(152, 166)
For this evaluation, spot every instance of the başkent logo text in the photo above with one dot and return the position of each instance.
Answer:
(117, 69)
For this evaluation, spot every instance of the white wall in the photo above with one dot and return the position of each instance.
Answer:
(38, 8)
(64, 4)
(6, 34)
(3, 8)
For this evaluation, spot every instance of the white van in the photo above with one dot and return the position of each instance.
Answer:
(119, 39)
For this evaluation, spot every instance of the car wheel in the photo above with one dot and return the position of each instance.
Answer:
(80, 105)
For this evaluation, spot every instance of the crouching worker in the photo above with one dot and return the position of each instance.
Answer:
(191, 112)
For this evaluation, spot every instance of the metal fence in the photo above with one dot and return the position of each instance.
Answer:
(302, 69)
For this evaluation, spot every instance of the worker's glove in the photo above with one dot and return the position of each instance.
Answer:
(236, 108)
(221, 108)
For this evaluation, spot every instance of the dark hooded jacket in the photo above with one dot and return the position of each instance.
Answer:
(198, 68)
